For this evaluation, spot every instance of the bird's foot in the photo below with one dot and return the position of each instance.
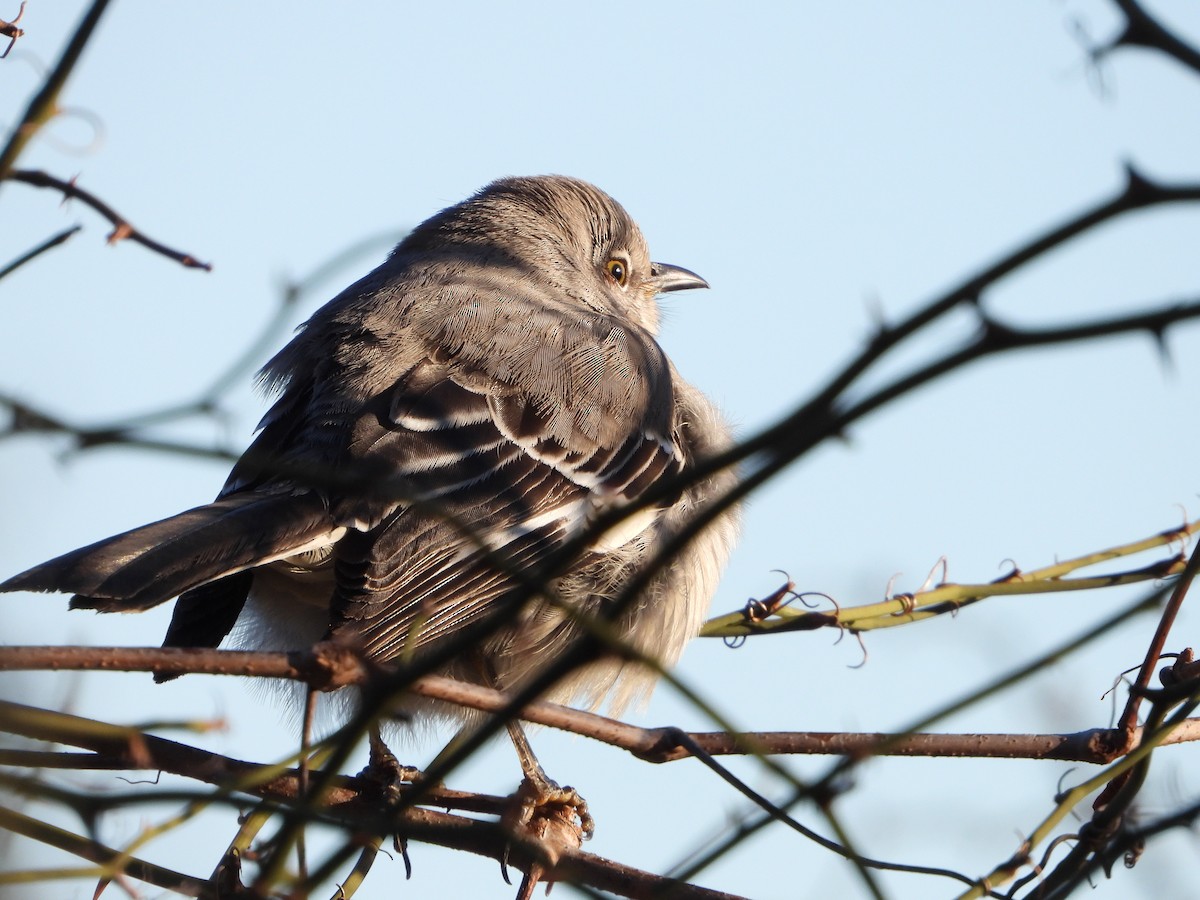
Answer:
(540, 797)
(390, 777)
(384, 770)
(555, 818)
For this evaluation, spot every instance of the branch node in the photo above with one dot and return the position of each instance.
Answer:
(1139, 190)
(1183, 670)
(119, 233)
(670, 743)
(331, 665)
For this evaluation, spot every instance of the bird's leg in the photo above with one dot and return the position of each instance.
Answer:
(384, 770)
(540, 792)
(556, 817)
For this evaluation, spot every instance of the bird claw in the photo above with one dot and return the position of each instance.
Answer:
(384, 770)
(556, 818)
(544, 799)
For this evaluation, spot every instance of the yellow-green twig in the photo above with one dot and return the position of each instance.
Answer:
(901, 609)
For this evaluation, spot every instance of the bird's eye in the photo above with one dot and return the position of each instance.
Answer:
(617, 271)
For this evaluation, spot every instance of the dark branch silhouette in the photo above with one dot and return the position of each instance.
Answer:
(123, 230)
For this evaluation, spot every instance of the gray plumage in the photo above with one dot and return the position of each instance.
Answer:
(481, 396)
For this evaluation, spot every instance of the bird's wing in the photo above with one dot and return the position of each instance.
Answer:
(501, 446)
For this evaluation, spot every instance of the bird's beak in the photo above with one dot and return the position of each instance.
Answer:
(674, 278)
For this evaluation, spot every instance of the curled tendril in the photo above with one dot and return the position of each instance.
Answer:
(907, 601)
(862, 645)
(760, 610)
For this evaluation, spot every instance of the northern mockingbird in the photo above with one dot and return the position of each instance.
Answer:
(446, 424)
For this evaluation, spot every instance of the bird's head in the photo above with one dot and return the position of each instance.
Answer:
(565, 232)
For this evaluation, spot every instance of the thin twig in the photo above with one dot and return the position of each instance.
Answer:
(128, 431)
(122, 228)
(50, 243)
(11, 31)
(1128, 721)
(838, 772)
(110, 861)
(44, 104)
(352, 804)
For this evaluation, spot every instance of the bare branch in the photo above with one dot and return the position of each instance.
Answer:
(122, 229)
(330, 668)
(50, 243)
(1154, 652)
(1120, 783)
(352, 802)
(949, 597)
(128, 431)
(994, 338)
(110, 862)
(44, 105)
(1143, 30)
(11, 31)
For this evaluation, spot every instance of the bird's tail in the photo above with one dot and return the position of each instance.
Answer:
(147, 566)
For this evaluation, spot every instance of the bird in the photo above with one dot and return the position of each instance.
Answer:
(443, 427)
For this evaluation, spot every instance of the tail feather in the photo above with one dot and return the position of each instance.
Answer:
(142, 568)
(204, 615)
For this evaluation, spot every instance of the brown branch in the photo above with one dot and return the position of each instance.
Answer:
(337, 672)
(1092, 746)
(122, 228)
(129, 748)
(351, 802)
(1128, 843)
(331, 667)
(122, 748)
(1126, 724)
(1119, 788)
(55, 759)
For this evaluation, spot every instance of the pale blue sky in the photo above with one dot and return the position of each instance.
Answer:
(811, 161)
